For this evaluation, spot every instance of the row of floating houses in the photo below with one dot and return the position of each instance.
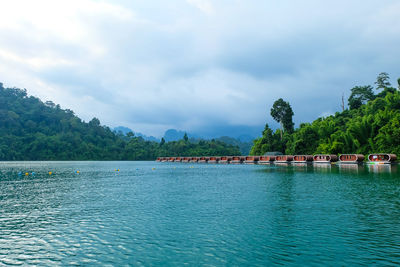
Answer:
(320, 158)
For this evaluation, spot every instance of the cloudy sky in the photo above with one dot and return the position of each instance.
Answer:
(212, 67)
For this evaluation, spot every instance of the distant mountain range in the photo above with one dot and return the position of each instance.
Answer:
(125, 130)
(244, 142)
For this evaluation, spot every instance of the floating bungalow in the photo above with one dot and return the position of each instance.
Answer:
(302, 158)
(381, 158)
(178, 159)
(351, 158)
(225, 160)
(251, 159)
(186, 159)
(171, 159)
(237, 159)
(322, 158)
(266, 159)
(214, 159)
(203, 159)
(194, 159)
(283, 158)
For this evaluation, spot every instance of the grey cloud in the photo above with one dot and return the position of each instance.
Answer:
(172, 65)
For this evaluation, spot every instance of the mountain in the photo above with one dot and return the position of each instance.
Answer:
(244, 146)
(124, 130)
(245, 138)
(147, 138)
(244, 142)
(173, 135)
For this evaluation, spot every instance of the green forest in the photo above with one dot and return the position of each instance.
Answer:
(370, 124)
(33, 130)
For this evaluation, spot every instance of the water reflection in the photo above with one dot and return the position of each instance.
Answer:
(382, 168)
(323, 167)
(300, 165)
(351, 168)
(356, 169)
(282, 164)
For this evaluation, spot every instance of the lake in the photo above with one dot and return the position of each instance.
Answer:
(151, 214)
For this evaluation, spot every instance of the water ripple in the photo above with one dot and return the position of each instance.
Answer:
(205, 215)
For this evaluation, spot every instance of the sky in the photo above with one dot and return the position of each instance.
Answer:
(210, 67)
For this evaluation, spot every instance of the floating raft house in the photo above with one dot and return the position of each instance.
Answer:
(237, 159)
(214, 159)
(251, 159)
(266, 159)
(203, 159)
(302, 158)
(225, 160)
(351, 158)
(283, 159)
(322, 158)
(186, 159)
(381, 158)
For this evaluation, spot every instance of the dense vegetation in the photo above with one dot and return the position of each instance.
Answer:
(370, 125)
(33, 130)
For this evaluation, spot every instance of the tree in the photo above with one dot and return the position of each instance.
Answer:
(95, 122)
(185, 137)
(282, 112)
(162, 141)
(382, 81)
(398, 83)
(360, 95)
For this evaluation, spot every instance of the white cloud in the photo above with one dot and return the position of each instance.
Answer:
(203, 5)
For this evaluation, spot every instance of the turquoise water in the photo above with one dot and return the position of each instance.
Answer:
(151, 213)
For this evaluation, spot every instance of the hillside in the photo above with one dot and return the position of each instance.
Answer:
(33, 130)
(244, 146)
(371, 124)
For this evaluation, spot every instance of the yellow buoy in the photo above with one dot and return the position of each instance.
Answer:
(50, 173)
(26, 174)
(77, 171)
(153, 169)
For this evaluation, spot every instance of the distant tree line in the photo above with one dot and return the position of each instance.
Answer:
(33, 130)
(371, 124)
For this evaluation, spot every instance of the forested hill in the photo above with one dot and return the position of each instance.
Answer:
(33, 130)
(370, 124)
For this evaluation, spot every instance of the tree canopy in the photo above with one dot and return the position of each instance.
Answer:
(282, 112)
(360, 95)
